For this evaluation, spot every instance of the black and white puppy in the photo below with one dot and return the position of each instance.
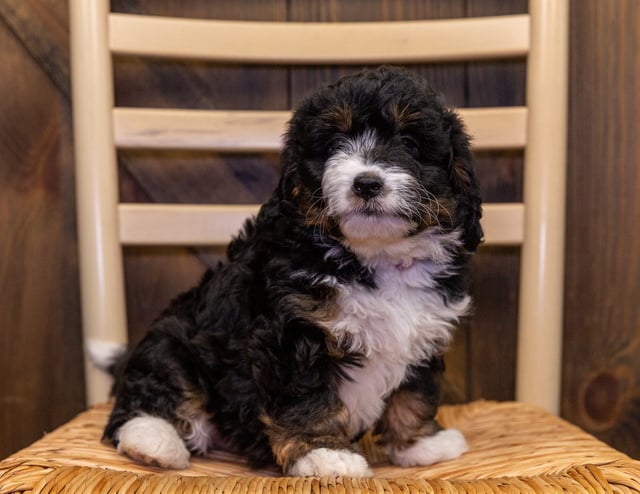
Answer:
(336, 304)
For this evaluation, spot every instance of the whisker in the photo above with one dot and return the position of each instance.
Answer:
(433, 207)
(321, 213)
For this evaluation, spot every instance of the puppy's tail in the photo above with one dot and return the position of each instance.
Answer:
(107, 355)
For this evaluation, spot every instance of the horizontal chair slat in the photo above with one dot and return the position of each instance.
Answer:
(255, 131)
(225, 131)
(320, 43)
(171, 224)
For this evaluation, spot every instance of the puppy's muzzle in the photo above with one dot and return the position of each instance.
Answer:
(367, 186)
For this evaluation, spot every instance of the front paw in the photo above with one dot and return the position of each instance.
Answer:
(330, 462)
(444, 445)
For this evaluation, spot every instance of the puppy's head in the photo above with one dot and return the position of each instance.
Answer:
(377, 157)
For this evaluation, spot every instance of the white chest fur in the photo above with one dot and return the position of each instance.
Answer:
(401, 322)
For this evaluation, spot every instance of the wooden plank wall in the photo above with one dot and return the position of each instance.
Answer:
(41, 376)
(602, 315)
(40, 351)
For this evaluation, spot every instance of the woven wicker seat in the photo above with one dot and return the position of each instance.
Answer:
(513, 448)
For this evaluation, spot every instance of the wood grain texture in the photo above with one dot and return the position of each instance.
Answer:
(41, 376)
(41, 26)
(602, 315)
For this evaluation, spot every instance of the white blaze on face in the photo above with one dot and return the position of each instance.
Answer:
(380, 219)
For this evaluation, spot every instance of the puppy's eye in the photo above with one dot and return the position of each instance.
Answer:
(412, 147)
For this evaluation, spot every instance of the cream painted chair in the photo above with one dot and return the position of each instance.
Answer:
(514, 446)
(105, 224)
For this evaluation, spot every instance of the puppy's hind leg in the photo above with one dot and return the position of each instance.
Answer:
(153, 387)
(154, 441)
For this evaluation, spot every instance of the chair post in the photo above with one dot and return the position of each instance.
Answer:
(540, 323)
(101, 276)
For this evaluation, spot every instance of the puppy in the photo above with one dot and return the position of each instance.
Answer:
(336, 304)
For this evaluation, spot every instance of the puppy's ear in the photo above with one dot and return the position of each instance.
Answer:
(286, 183)
(293, 151)
(464, 184)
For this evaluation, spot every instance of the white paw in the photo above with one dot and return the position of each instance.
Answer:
(445, 445)
(154, 441)
(331, 463)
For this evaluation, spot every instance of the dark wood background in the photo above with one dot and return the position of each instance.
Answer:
(41, 381)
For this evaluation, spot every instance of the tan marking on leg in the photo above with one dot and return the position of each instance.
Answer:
(290, 443)
(406, 418)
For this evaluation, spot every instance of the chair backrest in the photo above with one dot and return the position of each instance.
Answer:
(105, 224)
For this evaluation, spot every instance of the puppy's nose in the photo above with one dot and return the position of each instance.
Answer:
(367, 186)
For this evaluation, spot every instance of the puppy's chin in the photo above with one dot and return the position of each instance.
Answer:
(374, 229)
